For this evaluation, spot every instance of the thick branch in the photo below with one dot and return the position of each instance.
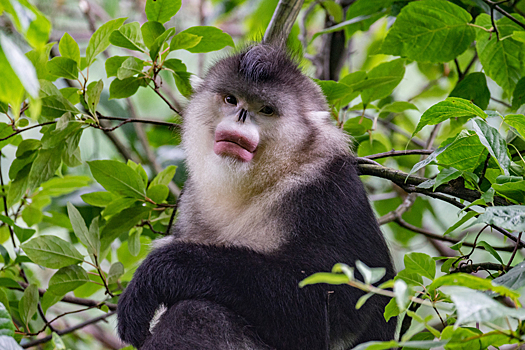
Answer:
(403, 180)
(282, 20)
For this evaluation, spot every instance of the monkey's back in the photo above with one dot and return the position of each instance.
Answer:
(331, 222)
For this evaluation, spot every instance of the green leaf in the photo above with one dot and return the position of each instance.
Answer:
(118, 178)
(118, 205)
(52, 252)
(134, 241)
(353, 24)
(424, 30)
(495, 144)
(324, 277)
(63, 67)
(49, 299)
(57, 342)
(446, 175)
(124, 88)
(158, 193)
(93, 92)
(473, 306)
(28, 303)
(335, 10)
(514, 279)
(115, 271)
(452, 107)
(517, 121)
(99, 41)
(333, 90)
(162, 10)
(502, 60)
(23, 234)
(159, 42)
(460, 222)
(473, 88)
(44, 166)
(59, 186)
(122, 223)
(97, 199)
(128, 36)
(130, 67)
(381, 80)
(398, 107)
(518, 96)
(512, 190)
(18, 186)
(473, 282)
(391, 310)
(3, 252)
(165, 176)
(465, 153)
(182, 80)
(20, 64)
(68, 48)
(401, 293)
(151, 30)
(370, 275)
(6, 323)
(67, 279)
(491, 250)
(358, 126)
(212, 39)
(420, 263)
(511, 217)
(184, 41)
(91, 241)
(410, 278)
(55, 106)
(114, 63)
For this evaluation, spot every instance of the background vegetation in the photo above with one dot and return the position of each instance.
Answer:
(92, 94)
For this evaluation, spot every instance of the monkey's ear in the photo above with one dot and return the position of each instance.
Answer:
(195, 82)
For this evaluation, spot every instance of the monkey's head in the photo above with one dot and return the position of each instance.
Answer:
(256, 118)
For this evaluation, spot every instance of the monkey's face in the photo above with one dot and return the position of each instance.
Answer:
(254, 118)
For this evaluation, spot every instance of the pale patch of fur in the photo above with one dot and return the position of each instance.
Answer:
(239, 201)
(156, 318)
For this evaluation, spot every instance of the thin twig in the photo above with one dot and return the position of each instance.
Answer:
(513, 252)
(25, 129)
(4, 198)
(432, 235)
(501, 102)
(394, 153)
(68, 330)
(74, 300)
(172, 107)
(136, 120)
(503, 12)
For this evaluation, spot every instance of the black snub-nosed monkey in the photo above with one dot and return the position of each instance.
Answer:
(272, 196)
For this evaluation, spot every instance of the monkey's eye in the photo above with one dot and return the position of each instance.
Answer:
(231, 100)
(267, 110)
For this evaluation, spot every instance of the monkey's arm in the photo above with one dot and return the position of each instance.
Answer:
(262, 290)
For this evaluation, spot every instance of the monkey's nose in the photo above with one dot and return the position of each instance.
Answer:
(242, 115)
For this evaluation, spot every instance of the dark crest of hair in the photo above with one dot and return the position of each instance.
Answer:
(265, 62)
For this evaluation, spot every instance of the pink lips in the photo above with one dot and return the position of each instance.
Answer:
(234, 144)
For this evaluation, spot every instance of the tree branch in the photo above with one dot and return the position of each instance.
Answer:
(282, 20)
(74, 300)
(394, 153)
(432, 235)
(69, 330)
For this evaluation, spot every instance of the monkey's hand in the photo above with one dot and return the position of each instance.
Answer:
(137, 305)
